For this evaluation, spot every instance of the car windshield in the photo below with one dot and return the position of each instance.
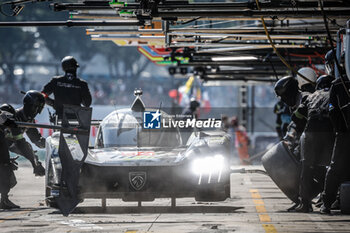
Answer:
(126, 130)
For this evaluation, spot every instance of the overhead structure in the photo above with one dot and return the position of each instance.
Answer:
(226, 40)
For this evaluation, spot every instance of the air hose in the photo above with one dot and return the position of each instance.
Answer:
(276, 51)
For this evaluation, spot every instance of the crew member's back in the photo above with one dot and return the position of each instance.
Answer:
(67, 89)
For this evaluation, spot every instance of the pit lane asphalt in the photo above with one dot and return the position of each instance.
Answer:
(256, 205)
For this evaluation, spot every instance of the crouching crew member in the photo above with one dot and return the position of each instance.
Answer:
(67, 89)
(316, 144)
(287, 90)
(338, 171)
(33, 103)
(7, 176)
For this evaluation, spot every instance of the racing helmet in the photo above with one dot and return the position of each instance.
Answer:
(329, 62)
(33, 103)
(287, 89)
(324, 82)
(194, 104)
(309, 74)
(234, 121)
(69, 64)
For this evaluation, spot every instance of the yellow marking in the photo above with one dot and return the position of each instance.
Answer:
(15, 215)
(260, 209)
(256, 196)
(269, 228)
(258, 202)
(264, 218)
(130, 231)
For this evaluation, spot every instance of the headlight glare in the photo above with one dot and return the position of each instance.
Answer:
(208, 165)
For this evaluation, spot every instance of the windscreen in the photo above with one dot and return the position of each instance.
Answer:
(126, 130)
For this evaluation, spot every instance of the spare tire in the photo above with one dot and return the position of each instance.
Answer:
(284, 169)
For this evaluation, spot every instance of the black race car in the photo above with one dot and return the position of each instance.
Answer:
(134, 163)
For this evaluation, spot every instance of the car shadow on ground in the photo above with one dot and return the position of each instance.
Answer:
(155, 209)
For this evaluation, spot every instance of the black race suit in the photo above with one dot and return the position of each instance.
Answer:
(316, 143)
(18, 144)
(67, 89)
(7, 177)
(338, 170)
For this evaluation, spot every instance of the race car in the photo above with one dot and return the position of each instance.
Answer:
(135, 163)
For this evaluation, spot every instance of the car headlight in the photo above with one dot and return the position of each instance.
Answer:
(208, 165)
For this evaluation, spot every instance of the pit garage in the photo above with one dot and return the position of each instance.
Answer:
(188, 127)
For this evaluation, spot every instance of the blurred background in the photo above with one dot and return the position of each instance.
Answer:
(30, 57)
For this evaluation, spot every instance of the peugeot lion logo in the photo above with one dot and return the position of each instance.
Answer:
(137, 180)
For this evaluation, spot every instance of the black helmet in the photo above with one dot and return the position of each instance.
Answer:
(8, 108)
(33, 103)
(69, 64)
(287, 89)
(194, 104)
(329, 62)
(324, 82)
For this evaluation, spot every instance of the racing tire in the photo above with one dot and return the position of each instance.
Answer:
(213, 194)
(50, 201)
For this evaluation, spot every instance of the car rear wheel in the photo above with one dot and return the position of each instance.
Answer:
(218, 193)
(50, 201)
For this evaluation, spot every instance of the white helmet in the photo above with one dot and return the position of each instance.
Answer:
(308, 73)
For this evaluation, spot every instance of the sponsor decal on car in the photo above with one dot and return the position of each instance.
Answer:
(137, 153)
(137, 180)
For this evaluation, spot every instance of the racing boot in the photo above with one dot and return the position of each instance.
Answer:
(325, 210)
(336, 205)
(304, 207)
(6, 203)
(39, 170)
(292, 208)
(319, 202)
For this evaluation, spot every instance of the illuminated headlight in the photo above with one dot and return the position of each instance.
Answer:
(208, 165)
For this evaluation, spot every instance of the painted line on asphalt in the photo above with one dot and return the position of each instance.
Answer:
(264, 218)
(81, 224)
(15, 215)
(258, 202)
(269, 228)
(255, 194)
(260, 209)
